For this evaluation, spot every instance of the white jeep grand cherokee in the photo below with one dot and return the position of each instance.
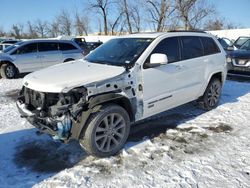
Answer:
(127, 79)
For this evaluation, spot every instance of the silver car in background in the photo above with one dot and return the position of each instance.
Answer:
(29, 56)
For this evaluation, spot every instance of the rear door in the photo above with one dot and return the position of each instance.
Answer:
(69, 51)
(26, 58)
(49, 53)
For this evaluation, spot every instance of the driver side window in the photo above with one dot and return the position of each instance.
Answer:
(170, 47)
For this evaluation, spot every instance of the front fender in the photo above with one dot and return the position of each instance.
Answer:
(94, 104)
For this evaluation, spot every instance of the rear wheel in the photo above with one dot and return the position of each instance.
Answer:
(106, 132)
(8, 71)
(211, 97)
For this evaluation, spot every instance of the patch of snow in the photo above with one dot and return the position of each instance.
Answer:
(186, 147)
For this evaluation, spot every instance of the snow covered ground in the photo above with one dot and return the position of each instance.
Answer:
(184, 147)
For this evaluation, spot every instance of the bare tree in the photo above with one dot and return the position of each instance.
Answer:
(131, 13)
(31, 32)
(81, 24)
(102, 7)
(54, 28)
(17, 31)
(2, 33)
(41, 28)
(192, 12)
(127, 15)
(215, 24)
(115, 23)
(159, 11)
(65, 23)
(136, 18)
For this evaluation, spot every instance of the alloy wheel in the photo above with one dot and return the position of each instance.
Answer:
(110, 132)
(214, 94)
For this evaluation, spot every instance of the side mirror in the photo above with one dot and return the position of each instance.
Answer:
(158, 59)
(230, 48)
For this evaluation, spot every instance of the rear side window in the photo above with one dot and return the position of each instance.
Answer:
(191, 47)
(47, 46)
(170, 47)
(66, 46)
(210, 47)
(28, 48)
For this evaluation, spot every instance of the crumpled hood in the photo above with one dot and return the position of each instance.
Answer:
(63, 77)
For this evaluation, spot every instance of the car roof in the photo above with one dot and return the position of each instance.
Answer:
(48, 40)
(169, 33)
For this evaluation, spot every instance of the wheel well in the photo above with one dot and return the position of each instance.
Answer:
(7, 62)
(126, 104)
(115, 98)
(218, 76)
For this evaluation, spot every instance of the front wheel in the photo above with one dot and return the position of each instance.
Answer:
(107, 131)
(211, 97)
(8, 71)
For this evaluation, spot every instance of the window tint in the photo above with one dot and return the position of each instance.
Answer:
(210, 47)
(191, 47)
(170, 47)
(66, 46)
(1, 47)
(28, 48)
(47, 46)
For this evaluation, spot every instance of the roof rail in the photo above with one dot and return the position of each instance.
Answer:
(196, 31)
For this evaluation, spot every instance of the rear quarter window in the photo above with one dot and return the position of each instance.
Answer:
(210, 47)
(66, 46)
(191, 47)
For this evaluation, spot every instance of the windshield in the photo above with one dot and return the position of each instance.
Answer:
(8, 49)
(120, 51)
(246, 45)
(240, 41)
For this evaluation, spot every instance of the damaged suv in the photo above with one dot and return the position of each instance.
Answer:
(127, 79)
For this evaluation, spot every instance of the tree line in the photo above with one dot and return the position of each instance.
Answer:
(116, 17)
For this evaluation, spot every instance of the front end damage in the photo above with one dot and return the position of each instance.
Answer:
(52, 113)
(64, 115)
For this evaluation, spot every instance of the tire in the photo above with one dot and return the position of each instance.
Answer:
(8, 71)
(211, 97)
(106, 131)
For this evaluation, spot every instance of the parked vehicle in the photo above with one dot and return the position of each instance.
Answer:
(239, 61)
(125, 80)
(3, 46)
(29, 56)
(10, 41)
(240, 41)
(227, 44)
(87, 46)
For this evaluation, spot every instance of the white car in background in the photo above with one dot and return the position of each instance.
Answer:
(32, 55)
(3, 46)
(125, 80)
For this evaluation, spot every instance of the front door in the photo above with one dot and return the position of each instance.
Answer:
(26, 58)
(173, 84)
